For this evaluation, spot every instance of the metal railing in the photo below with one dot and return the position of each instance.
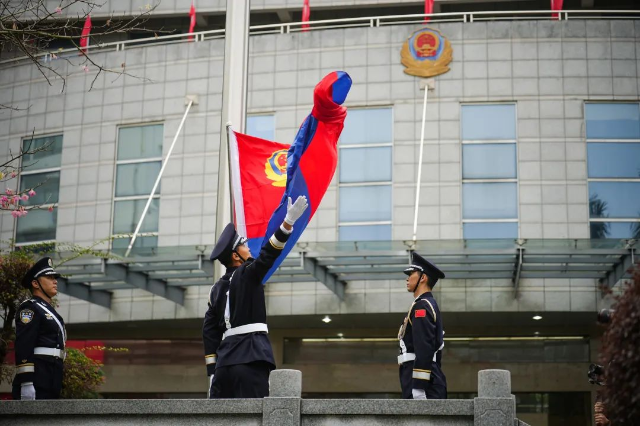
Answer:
(366, 22)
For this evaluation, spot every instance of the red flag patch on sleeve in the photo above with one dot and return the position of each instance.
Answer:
(421, 313)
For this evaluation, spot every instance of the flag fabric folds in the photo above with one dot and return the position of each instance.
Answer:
(428, 9)
(306, 14)
(192, 16)
(264, 173)
(86, 30)
(556, 5)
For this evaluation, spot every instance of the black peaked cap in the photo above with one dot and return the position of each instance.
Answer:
(41, 268)
(228, 240)
(419, 263)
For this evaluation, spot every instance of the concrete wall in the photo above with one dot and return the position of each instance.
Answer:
(548, 68)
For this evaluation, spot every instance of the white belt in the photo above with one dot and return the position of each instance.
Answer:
(406, 357)
(50, 352)
(244, 329)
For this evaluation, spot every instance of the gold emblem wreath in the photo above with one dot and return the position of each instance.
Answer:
(278, 180)
(426, 68)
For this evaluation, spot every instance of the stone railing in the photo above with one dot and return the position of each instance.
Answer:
(494, 406)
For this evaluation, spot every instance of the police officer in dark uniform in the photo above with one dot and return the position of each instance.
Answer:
(237, 349)
(421, 336)
(40, 337)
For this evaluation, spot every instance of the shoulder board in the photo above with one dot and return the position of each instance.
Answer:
(28, 301)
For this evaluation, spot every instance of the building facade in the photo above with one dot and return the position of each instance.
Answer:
(532, 143)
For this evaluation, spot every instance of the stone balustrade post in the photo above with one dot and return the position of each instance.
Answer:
(282, 406)
(495, 405)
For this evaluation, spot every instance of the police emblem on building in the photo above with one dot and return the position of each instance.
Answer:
(276, 168)
(426, 53)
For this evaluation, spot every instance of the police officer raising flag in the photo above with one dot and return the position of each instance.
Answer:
(238, 353)
(421, 336)
(40, 337)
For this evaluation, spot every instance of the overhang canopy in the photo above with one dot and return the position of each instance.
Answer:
(167, 271)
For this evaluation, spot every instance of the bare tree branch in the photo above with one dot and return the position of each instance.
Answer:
(28, 27)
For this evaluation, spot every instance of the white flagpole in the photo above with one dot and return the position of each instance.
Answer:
(155, 185)
(424, 118)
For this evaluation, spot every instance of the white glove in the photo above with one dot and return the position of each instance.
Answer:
(295, 211)
(210, 386)
(27, 392)
(418, 394)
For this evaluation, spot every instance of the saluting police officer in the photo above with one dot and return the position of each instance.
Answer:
(421, 336)
(40, 337)
(237, 350)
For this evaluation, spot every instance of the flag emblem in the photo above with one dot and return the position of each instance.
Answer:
(426, 53)
(421, 313)
(276, 168)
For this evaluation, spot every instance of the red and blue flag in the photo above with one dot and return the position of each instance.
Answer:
(264, 173)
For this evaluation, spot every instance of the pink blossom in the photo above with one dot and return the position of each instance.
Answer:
(51, 208)
(9, 191)
(23, 212)
(32, 193)
(58, 10)
(85, 68)
(15, 199)
(4, 199)
(25, 197)
(15, 213)
(13, 174)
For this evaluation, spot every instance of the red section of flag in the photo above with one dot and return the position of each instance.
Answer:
(306, 13)
(428, 9)
(421, 313)
(260, 179)
(192, 15)
(86, 30)
(556, 5)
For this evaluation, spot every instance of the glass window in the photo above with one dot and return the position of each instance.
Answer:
(37, 225)
(365, 203)
(614, 199)
(490, 230)
(365, 233)
(615, 230)
(262, 126)
(46, 185)
(362, 159)
(489, 122)
(613, 159)
(127, 214)
(139, 142)
(137, 178)
(612, 121)
(489, 200)
(489, 161)
(367, 126)
(365, 164)
(48, 156)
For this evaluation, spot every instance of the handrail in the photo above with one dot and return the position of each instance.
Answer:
(371, 21)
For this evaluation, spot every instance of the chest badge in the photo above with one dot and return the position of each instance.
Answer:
(48, 316)
(26, 315)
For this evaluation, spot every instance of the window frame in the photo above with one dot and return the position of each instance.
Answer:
(27, 172)
(464, 181)
(367, 183)
(115, 198)
(601, 179)
(260, 114)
